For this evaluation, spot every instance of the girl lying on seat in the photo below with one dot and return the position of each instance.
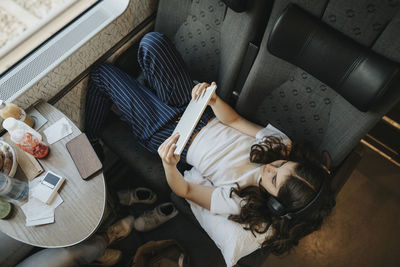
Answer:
(258, 176)
(277, 184)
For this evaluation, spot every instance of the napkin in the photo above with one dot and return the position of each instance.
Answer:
(37, 212)
(57, 130)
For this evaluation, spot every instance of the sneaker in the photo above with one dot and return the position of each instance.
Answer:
(137, 195)
(153, 218)
(119, 229)
(109, 258)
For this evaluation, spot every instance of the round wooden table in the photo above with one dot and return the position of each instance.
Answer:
(79, 215)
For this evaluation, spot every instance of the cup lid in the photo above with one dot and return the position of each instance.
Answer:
(9, 123)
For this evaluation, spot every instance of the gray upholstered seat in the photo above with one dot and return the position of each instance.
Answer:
(307, 109)
(211, 37)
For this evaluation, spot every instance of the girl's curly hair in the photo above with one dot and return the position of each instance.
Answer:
(295, 194)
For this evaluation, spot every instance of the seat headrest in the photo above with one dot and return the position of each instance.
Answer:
(356, 72)
(236, 5)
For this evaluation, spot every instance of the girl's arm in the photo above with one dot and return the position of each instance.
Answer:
(199, 194)
(225, 113)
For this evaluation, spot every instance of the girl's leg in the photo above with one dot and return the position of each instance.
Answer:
(143, 110)
(164, 69)
(147, 113)
(81, 254)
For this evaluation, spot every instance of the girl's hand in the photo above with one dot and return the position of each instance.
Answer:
(166, 151)
(199, 89)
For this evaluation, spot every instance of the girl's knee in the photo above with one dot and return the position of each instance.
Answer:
(151, 41)
(152, 38)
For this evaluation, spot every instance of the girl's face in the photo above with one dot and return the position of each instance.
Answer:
(275, 174)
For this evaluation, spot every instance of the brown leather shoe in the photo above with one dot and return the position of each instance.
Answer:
(120, 229)
(109, 258)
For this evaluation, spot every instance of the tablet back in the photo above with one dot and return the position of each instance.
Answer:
(190, 118)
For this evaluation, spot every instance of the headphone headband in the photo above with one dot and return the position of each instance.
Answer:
(277, 208)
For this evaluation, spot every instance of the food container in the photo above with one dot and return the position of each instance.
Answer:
(8, 154)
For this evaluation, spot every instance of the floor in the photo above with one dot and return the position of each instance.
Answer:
(364, 228)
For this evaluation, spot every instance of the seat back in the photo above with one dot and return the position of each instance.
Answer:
(305, 108)
(211, 37)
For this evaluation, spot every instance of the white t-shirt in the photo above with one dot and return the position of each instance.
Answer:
(222, 155)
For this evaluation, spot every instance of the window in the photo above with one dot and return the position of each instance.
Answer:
(24, 25)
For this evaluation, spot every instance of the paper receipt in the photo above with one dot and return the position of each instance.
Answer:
(58, 130)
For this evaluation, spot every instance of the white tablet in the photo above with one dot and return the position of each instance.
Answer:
(190, 118)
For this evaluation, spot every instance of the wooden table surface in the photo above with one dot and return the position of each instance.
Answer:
(79, 215)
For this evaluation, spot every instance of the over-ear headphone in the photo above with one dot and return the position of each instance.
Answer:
(277, 208)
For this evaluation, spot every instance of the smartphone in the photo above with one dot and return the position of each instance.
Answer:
(84, 156)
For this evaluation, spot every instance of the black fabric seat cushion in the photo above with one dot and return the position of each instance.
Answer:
(236, 5)
(118, 136)
(357, 73)
(257, 258)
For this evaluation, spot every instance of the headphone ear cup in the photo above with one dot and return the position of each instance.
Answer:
(275, 206)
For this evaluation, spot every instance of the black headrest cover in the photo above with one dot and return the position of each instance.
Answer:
(236, 5)
(357, 73)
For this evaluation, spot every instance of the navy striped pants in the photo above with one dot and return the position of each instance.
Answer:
(151, 113)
